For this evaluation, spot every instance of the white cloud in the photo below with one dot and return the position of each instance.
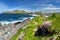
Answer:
(51, 8)
(47, 5)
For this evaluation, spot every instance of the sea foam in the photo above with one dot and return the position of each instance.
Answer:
(7, 22)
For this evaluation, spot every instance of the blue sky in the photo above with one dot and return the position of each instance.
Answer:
(30, 5)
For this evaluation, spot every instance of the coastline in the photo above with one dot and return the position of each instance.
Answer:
(8, 22)
(12, 18)
(10, 29)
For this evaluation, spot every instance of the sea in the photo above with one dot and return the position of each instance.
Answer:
(11, 18)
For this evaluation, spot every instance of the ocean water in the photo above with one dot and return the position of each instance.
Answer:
(8, 18)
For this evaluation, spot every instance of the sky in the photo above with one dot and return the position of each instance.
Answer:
(30, 5)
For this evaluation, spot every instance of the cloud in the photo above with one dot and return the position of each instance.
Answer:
(47, 5)
(38, 7)
(48, 8)
(4, 7)
(51, 8)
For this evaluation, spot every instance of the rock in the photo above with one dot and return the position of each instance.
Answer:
(43, 29)
(0, 24)
(48, 23)
(19, 39)
(16, 23)
(50, 38)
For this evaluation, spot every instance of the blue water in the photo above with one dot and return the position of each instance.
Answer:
(13, 17)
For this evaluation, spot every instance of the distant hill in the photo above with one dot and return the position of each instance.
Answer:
(16, 11)
(23, 11)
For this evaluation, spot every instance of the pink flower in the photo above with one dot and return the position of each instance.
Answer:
(46, 23)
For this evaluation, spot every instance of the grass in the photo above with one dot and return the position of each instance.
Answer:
(56, 23)
(29, 31)
(55, 27)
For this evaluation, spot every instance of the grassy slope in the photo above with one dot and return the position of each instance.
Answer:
(56, 21)
(55, 26)
(29, 31)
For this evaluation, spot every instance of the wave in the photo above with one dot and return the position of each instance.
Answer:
(7, 22)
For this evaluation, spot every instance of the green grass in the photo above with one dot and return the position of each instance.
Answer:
(56, 21)
(55, 18)
(29, 31)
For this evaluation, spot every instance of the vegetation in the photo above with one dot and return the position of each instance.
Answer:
(18, 11)
(15, 11)
(54, 29)
(55, 21)
(29, 31)
(55, 24)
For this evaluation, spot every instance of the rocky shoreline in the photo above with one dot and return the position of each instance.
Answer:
(8, 30)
